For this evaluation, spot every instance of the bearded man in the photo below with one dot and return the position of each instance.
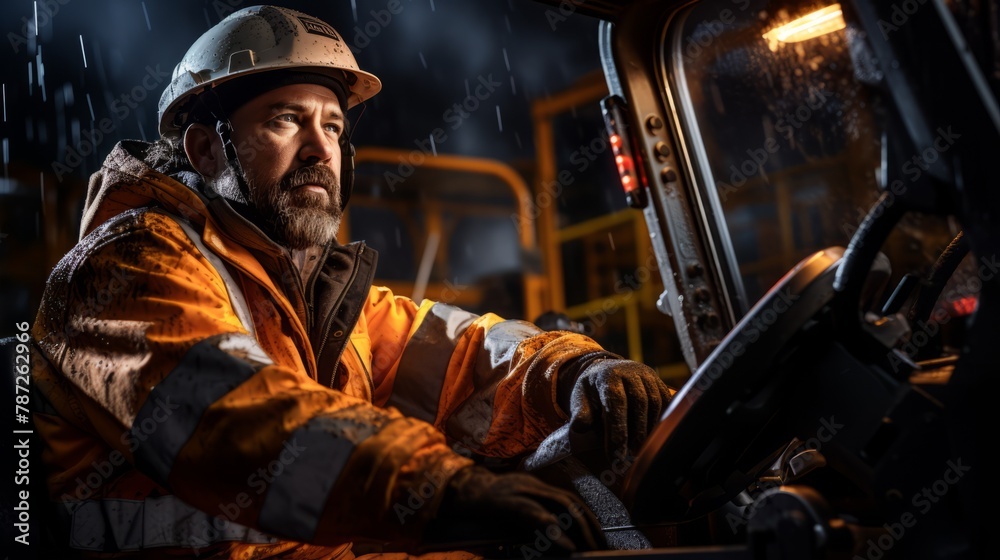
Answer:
(253, 393)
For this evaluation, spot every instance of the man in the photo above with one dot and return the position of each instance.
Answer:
(220, 379)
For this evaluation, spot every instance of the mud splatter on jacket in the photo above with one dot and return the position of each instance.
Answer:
(196, 397)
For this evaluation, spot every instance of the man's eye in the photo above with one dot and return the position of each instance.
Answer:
(287, 117)
(333, 128)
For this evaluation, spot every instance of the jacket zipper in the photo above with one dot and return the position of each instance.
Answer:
(368, 374)
(311, 287)
(289, 269)
(329, 321)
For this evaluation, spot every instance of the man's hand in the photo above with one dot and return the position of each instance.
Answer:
(621, 398)
(521, 502)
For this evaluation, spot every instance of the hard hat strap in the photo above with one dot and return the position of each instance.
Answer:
(347, 152)
(225, 131)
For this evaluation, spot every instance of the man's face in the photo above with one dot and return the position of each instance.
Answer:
(288, 142)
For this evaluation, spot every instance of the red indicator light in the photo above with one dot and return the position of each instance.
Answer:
(963, 306)
(616, 124)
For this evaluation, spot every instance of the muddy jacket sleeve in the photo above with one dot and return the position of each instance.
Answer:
(146, 354)
(490, 384)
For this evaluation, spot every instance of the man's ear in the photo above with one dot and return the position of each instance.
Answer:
(204, 150)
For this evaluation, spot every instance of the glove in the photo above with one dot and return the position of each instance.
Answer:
(623, 399)
(545, 515)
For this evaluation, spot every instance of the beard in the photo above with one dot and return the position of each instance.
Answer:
(297, 218)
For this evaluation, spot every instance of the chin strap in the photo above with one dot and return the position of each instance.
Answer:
(225, 131)
(347, 153)
(346, 174)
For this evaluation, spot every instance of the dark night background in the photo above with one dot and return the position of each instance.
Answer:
(69, 79)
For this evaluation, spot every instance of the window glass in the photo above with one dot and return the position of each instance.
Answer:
(786, 132)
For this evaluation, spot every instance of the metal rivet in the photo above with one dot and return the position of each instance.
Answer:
(712, 320)
(668, 175)
(709, 321)
(338, 334)
(662, 150)
(701, 294)
(695, 269)
(653, 123)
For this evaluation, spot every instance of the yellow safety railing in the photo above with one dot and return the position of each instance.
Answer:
(533, 280)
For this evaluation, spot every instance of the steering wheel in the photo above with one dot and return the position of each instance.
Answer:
(740, 409)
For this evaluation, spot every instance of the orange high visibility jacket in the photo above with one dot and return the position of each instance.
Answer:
(196, 397)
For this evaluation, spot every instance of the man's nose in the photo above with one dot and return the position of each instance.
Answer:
(318, 145)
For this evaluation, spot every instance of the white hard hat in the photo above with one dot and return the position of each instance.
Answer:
(258, 39)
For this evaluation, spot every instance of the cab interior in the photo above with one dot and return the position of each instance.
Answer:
(817, 187)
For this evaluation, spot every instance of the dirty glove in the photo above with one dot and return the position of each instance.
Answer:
(618, 400)
(549, 517)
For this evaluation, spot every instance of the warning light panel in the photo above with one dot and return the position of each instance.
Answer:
(629, 168)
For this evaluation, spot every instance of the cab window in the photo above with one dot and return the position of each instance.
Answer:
(784, 133)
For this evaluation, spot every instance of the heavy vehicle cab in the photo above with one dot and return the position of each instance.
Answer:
(816, 180)
(814, 184)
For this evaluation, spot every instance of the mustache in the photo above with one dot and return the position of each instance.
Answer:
(312, 175)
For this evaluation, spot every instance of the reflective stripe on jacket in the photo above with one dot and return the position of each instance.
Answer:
(196, 395)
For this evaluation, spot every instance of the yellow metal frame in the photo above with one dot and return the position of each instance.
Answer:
(533, 280)
(632, 300)
(543, 112)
